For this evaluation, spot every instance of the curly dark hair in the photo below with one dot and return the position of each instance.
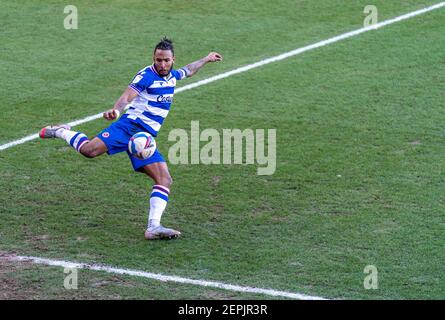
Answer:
(165, 44)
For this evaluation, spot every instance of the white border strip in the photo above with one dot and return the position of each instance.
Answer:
(161, 277)
(259, 64)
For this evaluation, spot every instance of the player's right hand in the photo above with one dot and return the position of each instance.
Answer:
(111, 114)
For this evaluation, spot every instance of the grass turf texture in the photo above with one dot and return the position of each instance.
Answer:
(359, 177)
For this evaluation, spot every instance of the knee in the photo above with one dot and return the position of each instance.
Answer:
(166, 181)
(89, 152)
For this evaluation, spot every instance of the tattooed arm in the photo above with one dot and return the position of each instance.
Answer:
(193, 67)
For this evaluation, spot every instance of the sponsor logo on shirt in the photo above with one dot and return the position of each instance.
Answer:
(163, 99)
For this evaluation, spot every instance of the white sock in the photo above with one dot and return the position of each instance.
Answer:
(73, 138)
(63, 133)
(158, 203)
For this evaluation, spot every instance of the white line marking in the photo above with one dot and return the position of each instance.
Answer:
(161, 277)
(260, 63)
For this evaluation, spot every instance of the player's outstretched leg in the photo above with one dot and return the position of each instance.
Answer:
(158, 171)
(73, 138)
(77, 140)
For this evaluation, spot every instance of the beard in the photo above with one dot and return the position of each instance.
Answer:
(164, 72)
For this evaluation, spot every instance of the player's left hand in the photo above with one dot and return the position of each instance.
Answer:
(214, 56)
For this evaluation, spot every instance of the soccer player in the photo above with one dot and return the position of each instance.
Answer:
(147, 99)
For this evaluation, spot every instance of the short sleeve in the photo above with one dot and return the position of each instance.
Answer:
(141, 81)
(180, 74)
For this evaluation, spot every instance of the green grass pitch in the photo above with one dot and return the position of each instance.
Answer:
(360, 150)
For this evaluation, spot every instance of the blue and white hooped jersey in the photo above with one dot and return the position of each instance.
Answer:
(155, 96)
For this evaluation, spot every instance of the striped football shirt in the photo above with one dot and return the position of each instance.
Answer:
(155, 96)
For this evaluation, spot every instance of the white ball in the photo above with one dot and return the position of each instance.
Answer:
(142, 145)
(117, 113)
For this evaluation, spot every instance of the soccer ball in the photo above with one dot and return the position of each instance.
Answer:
(142, 145)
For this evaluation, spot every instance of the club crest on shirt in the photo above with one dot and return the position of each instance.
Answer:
(105, 134)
